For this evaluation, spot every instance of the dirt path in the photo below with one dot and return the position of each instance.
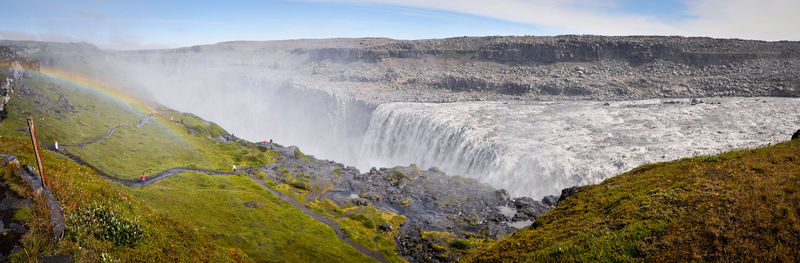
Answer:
(361, 248)
(108, 134)
(173, 171)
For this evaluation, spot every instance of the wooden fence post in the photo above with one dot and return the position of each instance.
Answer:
(35, 143)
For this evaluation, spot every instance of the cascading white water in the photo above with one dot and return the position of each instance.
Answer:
(400, 133)
(536, 149)
(531, 149)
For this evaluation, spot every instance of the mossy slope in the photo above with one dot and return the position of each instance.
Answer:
(737, 206)
(216, 204)
(192, 204)
(78, 187)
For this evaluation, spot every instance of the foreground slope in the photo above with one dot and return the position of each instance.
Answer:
(124, 142)
(128, 229)
(737, 206)
(280, 205)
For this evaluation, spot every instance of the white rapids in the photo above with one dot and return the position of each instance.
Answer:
(538, 148)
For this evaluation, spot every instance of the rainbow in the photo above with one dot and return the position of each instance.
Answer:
(99, 87)
(107, 91)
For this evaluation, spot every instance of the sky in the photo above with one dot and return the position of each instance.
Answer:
(149, 24)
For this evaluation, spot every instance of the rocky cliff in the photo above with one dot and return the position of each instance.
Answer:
(485, 68)
(582, 66)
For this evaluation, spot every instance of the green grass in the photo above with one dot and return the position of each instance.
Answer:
(362, 225)
(215, 204)
(131, 150)
(736, 206)
(80, 127)
(78, 187)
(188, 207)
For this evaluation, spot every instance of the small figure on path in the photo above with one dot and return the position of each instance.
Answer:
(143, 177)
(234, 168)
(56, 146)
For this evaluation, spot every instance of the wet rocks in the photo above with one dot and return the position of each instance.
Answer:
(550, 200)
(435, 202)
(11, 230)
(6, 88)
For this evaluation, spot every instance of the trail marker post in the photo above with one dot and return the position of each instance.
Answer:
(35, 143)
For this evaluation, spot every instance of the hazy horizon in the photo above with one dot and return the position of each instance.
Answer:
(156, 25)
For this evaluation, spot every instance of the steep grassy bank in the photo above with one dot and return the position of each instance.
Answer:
(736, 206)
(86, 199)
(275, 232)
(201, 215)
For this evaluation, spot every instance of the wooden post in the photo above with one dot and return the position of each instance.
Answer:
(35, 143)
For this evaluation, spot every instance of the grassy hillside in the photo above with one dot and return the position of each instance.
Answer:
(81, 191)
(208, 209)
(216, 204)
(737, 206)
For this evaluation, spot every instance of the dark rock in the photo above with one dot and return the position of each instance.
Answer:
(373, 196)
(523, 202)
(534, 211)
(57, 220)
(498, 218)
(8, 203)
(360, 202)
(225, 138)
(567, 192)
(521, 217)
(796, 135)
(385, 227)
(56, 259)
(17, 228)
(550, 200)
(253, 204)
(29, 175)
(502, 195)
(63, 102)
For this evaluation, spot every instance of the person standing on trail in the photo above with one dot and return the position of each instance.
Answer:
(143, 177)
(270, 144)
(234, 168)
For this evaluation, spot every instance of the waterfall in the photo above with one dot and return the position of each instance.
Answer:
(401, 134)
(538, 148)
(528, 148)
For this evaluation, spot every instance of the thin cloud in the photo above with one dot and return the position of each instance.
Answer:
(766, 19)
(129, 43)
(177, 22)
(90, 15)
(19, 35)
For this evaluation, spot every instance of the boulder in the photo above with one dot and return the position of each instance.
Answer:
(523, 202)
(796, 135)
(253, 204)
(360, 202)
(6, 88)
(550, 200)
(17, 228)
(502, 195)
(567, 192)
(56, 259)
